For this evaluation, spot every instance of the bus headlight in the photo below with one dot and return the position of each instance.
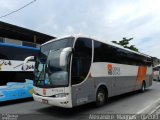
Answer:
(34, 92)
(61, 95)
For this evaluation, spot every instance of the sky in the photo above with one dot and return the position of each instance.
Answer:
(108, 20)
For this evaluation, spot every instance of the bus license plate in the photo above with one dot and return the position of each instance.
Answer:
(44, 101)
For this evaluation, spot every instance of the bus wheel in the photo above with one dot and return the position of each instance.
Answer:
(143, 87)
(101, 97)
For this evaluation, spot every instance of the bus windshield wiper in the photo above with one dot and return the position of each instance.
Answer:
(41, 72)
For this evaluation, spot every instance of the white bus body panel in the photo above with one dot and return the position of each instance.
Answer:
(49, 96)
(122, 80)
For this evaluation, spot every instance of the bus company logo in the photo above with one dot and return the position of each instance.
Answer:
(44, 91)
(113, 70)
(5, 62)
(28, 67)
(109, 66)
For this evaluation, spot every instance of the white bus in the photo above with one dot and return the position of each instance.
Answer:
(156, 73)
(76, 70)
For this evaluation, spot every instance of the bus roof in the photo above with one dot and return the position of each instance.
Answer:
(108, 42)
(18, 46)
(15, 32)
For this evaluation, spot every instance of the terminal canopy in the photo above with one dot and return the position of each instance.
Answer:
(15, 32)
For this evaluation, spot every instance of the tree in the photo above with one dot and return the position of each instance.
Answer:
(125, 43)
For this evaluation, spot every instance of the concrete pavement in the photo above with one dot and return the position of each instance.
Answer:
(131, 103)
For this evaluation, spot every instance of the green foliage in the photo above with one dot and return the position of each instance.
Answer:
(125, 43)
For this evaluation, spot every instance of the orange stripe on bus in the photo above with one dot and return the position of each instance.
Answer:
(44, 91)
(141, 73)
(89, 76)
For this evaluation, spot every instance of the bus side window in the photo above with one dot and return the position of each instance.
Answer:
(76, 69)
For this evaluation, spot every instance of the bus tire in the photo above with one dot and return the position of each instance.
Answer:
(143, 87)
(101, 97)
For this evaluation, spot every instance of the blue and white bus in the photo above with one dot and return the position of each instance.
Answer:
(15, 83)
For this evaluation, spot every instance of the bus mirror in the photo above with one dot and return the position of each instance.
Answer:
(64, 55)
(26, 60)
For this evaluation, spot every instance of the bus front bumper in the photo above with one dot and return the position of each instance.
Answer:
(64, 102)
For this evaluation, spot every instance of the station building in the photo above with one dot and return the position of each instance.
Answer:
(13, 34)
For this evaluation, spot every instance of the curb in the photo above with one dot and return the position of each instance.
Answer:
(156, 109)
(151, 108)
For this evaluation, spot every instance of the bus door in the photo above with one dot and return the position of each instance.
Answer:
(84, 88)
(82, 83)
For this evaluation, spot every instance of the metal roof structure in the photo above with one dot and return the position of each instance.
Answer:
(15, 32)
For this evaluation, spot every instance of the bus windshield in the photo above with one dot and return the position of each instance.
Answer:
(48, 71)
(40, 69)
